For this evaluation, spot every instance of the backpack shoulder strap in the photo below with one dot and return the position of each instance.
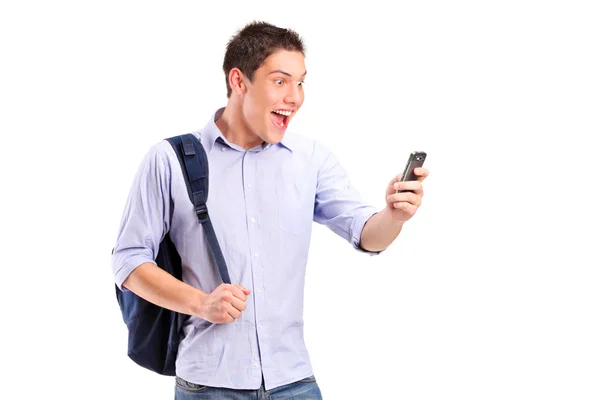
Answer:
(194, 164)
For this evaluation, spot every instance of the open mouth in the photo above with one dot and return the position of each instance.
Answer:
(281, 118)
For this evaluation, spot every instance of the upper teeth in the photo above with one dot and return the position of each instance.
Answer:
(287, 113)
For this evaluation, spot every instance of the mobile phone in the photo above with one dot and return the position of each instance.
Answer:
(415, 160)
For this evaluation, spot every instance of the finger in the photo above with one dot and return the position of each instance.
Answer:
(421, 173)
(414, 186)
(394, 180)
(238, 304)
(233, 312)
(228, 319)
(242, 288)
(406, 197)
(238, 291)
(407, 207)
(246, 291)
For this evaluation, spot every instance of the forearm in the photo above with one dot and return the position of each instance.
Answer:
(161, 288)
(380, 231)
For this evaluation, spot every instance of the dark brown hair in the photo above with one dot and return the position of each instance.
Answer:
(251, 45)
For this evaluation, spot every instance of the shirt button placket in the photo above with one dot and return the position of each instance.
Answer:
(253, 237)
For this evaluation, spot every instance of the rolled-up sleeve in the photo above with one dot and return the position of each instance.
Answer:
(146, 217)
(338, 204)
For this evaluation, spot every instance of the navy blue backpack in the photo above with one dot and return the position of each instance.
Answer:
(155, 332)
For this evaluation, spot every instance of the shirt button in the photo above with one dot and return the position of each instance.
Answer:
(259, 290)
(256, 255)
(256, 364)
(222, 148)
(260, 325)
(255, 358)
(253, 220)
(249, 185)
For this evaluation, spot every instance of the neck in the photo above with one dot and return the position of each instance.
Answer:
(233, 127)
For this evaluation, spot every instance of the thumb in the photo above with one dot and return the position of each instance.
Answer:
(243, 289)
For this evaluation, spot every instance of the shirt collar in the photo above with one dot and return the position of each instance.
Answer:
(288, 142)
(211, 133)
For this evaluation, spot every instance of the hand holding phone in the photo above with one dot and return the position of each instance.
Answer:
(415, 160)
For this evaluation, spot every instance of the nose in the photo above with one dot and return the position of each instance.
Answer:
(294, 96)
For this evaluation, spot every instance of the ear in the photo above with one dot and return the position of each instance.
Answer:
(237, 81)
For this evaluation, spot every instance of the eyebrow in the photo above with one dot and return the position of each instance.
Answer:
(280, 71)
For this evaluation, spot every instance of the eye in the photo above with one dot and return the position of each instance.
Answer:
(301, 83)
(279, 81)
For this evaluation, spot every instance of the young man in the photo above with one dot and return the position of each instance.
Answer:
(266, 189)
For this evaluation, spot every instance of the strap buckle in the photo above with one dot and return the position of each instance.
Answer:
(202, 212)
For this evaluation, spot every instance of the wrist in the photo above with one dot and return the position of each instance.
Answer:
(390, 217)
(196, 305)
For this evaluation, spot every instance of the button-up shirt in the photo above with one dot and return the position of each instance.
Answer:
(262, 203)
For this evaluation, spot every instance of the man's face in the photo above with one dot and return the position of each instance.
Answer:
(275, 95)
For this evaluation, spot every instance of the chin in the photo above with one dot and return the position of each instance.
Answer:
(274, 136)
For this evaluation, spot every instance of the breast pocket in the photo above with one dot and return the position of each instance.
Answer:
(295, 203)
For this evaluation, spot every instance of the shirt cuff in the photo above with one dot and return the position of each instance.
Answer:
(125, 263)
(358, 224)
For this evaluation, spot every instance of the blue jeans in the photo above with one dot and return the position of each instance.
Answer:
(305, 389)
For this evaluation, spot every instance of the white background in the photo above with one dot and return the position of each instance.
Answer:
(490, 292)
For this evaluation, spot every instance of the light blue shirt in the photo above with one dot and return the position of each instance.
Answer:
(262, 203)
